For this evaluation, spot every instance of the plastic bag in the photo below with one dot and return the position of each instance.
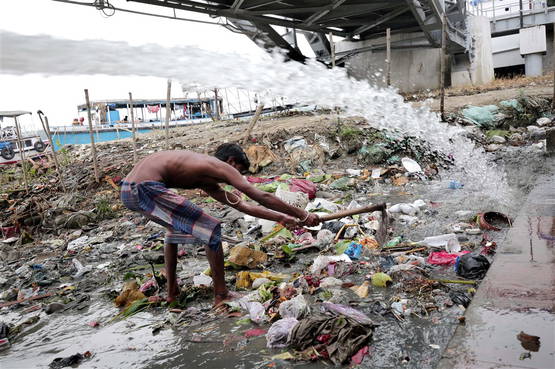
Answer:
(444, 258)
(278, 334)
(297, 199)
(348, 312)
(410, 165)
(354, 250)
(460, 298)
(322, 261)
(472, 266)
(256, 310)
(449, 241)
(296, 308)
(303, 185)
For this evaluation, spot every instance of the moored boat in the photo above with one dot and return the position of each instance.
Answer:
(16, 145)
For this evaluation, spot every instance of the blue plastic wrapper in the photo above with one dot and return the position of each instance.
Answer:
(354, 250)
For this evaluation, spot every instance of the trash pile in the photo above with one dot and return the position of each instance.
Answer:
(515, 122)
(320, 293)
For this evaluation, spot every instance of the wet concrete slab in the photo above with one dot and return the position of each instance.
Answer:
(517, 295)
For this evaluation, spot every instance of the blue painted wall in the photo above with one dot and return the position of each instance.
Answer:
(84, 137)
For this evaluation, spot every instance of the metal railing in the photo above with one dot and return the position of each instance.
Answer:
(500, 9)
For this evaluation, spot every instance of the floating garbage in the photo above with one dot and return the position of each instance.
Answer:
(455, 185)
(278, 334)
(381, 280)
(444, 257)
(296, 308)
(411, 166)
(202, 280)
(245, 256)
(493, 221)
(449, 241)
(472, 266)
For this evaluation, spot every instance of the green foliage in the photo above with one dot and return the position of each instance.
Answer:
(349, 132)
(103, 208)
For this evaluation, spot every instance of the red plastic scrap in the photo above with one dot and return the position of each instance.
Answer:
(259, 180)
(303, 185)
(312, 281)
(444, 258)
(323, 338)
(359, 356)
(255, 332)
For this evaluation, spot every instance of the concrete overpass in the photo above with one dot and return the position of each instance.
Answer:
(354, 20)
(511, 24)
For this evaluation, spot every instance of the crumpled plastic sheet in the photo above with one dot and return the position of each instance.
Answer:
(348, 312)
(296, 308)
(257, 313)
(341, 336)
(278, 334)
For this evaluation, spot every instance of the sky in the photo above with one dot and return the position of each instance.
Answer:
(58, 96)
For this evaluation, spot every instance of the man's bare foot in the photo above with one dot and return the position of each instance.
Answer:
(173, 295)
(220, 298)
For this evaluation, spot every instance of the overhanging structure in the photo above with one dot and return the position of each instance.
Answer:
(349, 19)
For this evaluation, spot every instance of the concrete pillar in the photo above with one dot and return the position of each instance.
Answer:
(533, 65)
(550, 141)
(533, 46)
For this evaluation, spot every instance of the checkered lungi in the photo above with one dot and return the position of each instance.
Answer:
(184, 220)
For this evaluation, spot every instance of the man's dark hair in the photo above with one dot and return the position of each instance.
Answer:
(232, 150)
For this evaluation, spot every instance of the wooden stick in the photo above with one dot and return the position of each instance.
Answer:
(217, 104)
(133, 129)
(46, 128)
(332, 49)
(346, 213)
(253, 122)
(168, 114)
(553, 56)
(442, 67)
(388, 57)
(32, 298)
(21, 155)
(453, 281)
(95, 162)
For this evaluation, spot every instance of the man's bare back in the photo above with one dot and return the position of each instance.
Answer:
(178, 169)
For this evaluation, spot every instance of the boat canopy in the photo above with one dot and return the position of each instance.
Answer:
(13, 113)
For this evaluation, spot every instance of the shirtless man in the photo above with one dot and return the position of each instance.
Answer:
(145, 190)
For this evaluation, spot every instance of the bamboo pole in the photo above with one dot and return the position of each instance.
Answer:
(442, 67)
(388, 57)
(253, 122)
(46, 128)
(168, 114)
(133, 129)
(332, 49)
(93, 146)
(21, 155)
(217, 104)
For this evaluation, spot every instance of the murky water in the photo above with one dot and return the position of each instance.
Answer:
(220, 343)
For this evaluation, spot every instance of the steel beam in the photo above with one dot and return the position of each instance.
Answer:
(314, 17)
(418, 12)
(239, 14)
(236, 4)
(387, 17)
(259, 4)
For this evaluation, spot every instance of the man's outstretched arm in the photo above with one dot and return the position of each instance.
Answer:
(231, 176)
(234, 201)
